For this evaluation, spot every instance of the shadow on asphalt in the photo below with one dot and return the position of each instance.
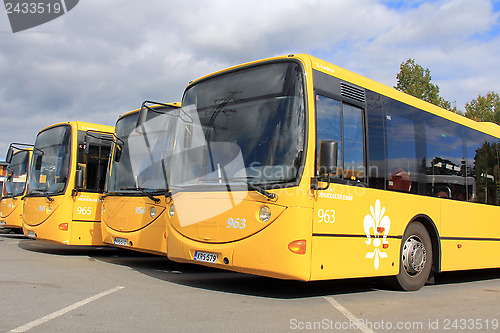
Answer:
(202, 277)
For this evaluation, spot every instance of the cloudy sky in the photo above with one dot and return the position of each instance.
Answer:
(104, 57)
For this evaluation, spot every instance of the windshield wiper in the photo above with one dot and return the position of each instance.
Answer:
(262, 191)
(165, 192)
(45, 193)
(252, 186)
(143, 191)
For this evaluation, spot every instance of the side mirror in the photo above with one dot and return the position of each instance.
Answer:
(188, 135)
(118, 153)
(86, 149)
(141, 119)
(79, 179)
(38, 162)
(10, 153)
(328, 154)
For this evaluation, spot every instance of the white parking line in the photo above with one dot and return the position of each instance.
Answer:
(67, 309)
(348, 314)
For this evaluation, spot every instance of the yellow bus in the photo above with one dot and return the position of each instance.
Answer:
(14, 187)
(66, 179)
(137, 194)
(311, 172)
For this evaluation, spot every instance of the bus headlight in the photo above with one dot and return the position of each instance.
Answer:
(171, 211)
(152, 212)
(264, 214)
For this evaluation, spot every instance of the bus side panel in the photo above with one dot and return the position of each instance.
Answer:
(85, 228)
(357, 232)
(466, 229)
(348, 257)
(87, 207)
(86, 233)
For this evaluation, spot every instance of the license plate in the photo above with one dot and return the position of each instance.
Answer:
(31, 233)
(121, 241)
(205, 257)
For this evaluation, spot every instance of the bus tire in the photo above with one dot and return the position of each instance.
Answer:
(415, 260)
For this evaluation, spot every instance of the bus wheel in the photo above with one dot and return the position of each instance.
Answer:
(416, 258)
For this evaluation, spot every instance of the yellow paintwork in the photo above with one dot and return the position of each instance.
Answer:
(11, 209)
(11, 212)
(42, 218)
(339, 248)
(128, 217)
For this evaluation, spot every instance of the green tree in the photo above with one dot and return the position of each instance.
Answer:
(484, 108)
(414, 80)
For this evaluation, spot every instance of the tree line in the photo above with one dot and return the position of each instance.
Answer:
(414, 80)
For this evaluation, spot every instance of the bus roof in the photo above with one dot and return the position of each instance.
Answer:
(173, 104)
(83, 126)
(311, 62)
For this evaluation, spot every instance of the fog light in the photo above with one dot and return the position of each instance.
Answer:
(63, 226)
(298, 246)
(152, 212)
(171, 211)
(265, 214)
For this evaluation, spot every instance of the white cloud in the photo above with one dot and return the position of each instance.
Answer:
(103, 58)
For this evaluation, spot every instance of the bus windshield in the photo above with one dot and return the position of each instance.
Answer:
(252, 122)
(51, 161)
(17, 172)
(141, 155)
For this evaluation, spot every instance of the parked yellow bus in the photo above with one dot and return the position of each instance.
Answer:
(311, 172)
(14, 188)
(137, 192)
(67, 177)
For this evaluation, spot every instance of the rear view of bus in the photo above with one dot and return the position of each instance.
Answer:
(137, 191)
(14, 188)
(67, 176)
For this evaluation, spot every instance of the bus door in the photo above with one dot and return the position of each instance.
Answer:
(339, 201)
(92, 162)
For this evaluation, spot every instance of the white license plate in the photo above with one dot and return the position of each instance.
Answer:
(121, 241)
(31, 233)
(3, 223)
(205, 257)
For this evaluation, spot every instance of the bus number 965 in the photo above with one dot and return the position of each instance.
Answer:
(84, 210)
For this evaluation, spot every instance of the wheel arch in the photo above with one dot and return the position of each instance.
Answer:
(431, 228)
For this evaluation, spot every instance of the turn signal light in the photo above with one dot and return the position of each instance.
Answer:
(298, 246)
(63, 226)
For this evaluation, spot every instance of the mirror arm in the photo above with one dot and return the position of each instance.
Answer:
(315, 181)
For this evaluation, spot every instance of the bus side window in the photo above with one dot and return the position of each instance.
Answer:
(445, 159)
(93, 155)
(482, 168)
(402, 162)
(343, 123)
(329, 127)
